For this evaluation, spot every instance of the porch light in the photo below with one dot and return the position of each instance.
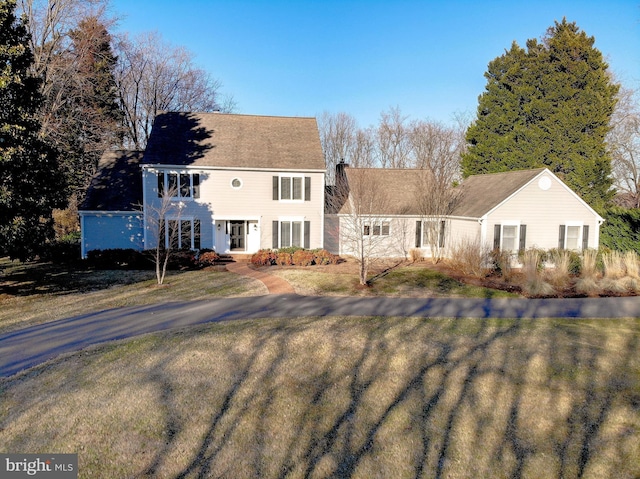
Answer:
(219, 226)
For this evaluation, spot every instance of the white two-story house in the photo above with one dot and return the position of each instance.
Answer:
(231, 183)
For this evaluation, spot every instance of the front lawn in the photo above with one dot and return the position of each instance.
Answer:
(342, 397)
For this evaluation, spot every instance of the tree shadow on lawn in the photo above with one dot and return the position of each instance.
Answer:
(33, 278)
(414, 398)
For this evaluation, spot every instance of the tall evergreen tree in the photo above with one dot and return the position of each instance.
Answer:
(547, 106)
(91, 120)
(31, 184)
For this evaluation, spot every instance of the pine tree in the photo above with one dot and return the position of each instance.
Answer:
(91, 120)
(547, 106)
(31, 184)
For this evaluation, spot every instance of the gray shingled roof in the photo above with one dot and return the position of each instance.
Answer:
(478, 194)
(481, 193)
(118, 184)
(395, 189)
(236, 141)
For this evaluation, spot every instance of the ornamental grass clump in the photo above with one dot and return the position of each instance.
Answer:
(631, 262)
(614, 273)
(559, 275)
(588, 281)
(534, 284)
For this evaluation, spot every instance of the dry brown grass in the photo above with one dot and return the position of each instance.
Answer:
(534, 284)
(587, 283)
(558, 274)
(342, 397)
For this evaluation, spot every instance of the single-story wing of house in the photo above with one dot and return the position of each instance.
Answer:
(388, 212)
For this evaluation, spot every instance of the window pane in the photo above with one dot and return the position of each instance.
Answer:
(376, 229)
(173, 184)
(196, 234)
(172, 234)
(185, 185)
(285, 234)
(285, 189)
(509, 234)
(297, 188)
(385, 228)
(296, 233)
(160, 184)
(573, 235)
(185, 234)
(366, 230)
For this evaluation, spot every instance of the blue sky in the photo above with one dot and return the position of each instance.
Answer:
(295, 58)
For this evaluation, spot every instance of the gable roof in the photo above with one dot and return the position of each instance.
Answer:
(481, 193)
(235, 141)
(117, 186)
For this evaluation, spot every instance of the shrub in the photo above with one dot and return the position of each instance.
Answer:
(322, 256)
(415, 255)
(207, 258)
(621, 229)
(284, 258)
(119, 258)
(471, 258)
(264, 257)
(303, 257)
(501, 263)
(62, 251)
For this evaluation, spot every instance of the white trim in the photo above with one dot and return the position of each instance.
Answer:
(151, 167)
(516, 245)
(580, 226)
(110, 213)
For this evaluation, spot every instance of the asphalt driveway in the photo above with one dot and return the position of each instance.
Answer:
(28, 347)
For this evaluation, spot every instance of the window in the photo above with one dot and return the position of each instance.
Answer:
(292, 188)
(430, 232)
(291, 233)
(573, 236)
(178, 185)
(510, 236)
(181, 234)
(376, 228)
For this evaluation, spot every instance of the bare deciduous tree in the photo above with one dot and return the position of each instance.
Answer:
(624, 144)
(436, 150)
(363, 231)
(162, 218)
(394, 147)
(153, 76)
(337, 135)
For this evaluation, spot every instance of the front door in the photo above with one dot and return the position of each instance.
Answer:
(237, 235)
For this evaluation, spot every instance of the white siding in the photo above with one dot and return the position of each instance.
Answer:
(543, 211)
(220, 201)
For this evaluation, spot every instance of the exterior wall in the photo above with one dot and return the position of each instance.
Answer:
(543, 211)
(252, 201)
(397, 244)
(111, 230)
(462, 231)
